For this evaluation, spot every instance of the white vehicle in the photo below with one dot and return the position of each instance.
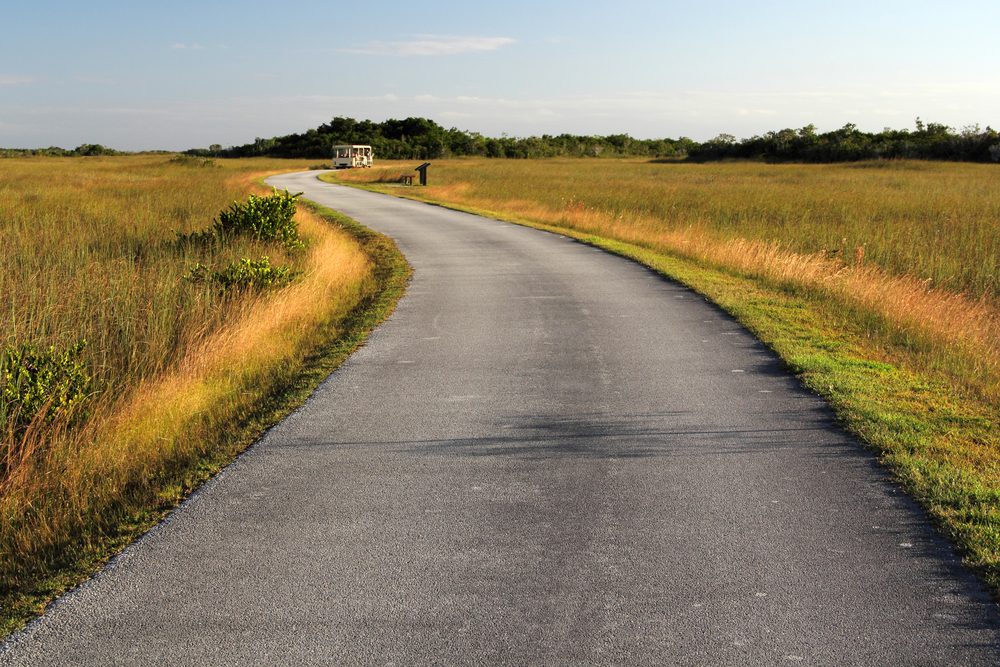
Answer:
(355, 155)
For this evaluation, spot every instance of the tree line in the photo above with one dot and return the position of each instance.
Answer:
(929, 141)
(424, 139)
(83, 150)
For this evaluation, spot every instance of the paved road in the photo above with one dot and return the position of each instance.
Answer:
(547, 455)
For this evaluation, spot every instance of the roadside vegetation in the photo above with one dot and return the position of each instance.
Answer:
(877, 282)
(155, 319)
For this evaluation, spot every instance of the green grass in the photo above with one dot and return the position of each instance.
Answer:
(940, 445)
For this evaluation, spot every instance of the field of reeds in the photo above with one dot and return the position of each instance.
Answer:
(935, 221)
(877, 282)
(144, 343)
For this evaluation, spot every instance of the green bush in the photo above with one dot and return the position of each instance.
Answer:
(244, 274)
(267, 218)
(35, 381)
(192, 161)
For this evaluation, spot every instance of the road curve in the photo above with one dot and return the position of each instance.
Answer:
(550, 455)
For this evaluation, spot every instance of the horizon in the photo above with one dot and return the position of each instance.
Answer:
(194, 74)
(818, 130)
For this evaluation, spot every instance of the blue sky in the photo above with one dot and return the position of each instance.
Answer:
(178, 74)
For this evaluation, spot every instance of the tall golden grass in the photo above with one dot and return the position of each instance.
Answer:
(89, 253)
(176, 364)
(933, 221)
(914, 244)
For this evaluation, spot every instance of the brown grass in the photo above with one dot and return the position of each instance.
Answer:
(151, 431)
(912, 248)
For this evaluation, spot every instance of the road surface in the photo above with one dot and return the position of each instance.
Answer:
(547, 455)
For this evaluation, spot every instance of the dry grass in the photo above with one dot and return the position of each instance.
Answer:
(914, 245)
(932, 221)
(177, 365)
(89, 253)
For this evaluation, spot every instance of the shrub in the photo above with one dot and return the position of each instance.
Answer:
(88, 150)
(244, 274)
(192, 161)
(41, 384)
(267, 218)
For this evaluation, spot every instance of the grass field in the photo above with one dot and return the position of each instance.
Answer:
(877, 283)
(931, 220)
(183, 373)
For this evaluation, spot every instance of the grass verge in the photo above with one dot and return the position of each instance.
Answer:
(181, 428)
(938, 436)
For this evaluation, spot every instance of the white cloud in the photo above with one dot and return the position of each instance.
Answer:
(15, 80)
(432, 45)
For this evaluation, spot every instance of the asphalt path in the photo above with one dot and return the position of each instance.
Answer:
(547, 455)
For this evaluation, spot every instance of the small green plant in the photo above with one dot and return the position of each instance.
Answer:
(244, 274)
(268, 218)
(41, 384)
(264, 218)
(193, 161)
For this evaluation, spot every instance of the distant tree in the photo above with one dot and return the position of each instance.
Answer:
(424, 139)
(93, 150)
